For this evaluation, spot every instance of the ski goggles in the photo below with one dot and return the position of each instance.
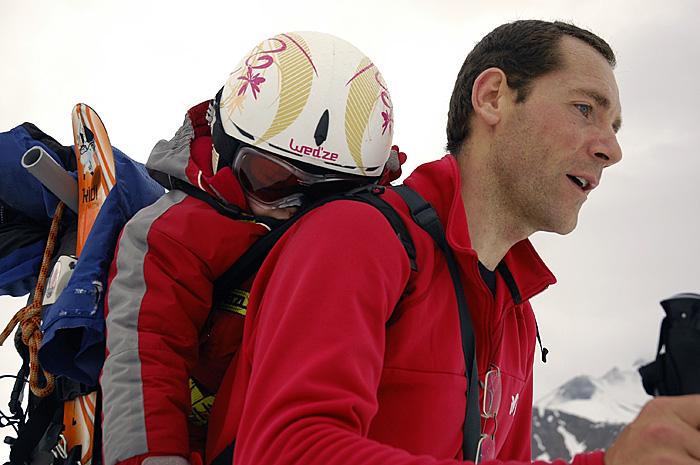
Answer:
(279, 184)
(486, 449)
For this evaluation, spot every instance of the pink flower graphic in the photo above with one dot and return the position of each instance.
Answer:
(254, 82)
(388, 120)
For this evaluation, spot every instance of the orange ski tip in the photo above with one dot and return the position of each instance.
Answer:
(95, 167)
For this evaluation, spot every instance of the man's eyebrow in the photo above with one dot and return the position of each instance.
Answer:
(599, 98)
(602, 101)
(617, 124)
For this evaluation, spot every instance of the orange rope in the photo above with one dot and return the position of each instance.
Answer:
(29, 317)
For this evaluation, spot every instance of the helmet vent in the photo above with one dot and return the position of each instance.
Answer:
(321, 133)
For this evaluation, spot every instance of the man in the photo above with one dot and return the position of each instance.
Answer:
(349, 357)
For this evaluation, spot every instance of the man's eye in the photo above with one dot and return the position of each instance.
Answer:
(584, 109)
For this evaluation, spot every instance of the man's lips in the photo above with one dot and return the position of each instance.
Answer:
(585, 183)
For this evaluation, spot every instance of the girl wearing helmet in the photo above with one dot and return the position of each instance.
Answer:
(303, 115)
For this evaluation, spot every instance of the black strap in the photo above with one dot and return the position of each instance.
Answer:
(31, 433)
(510, 282)
(426, 217)
(251, 260)
(225, 457)
(228, 210)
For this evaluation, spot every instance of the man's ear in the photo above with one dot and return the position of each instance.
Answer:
(490, 89)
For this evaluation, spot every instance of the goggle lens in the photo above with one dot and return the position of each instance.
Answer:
(274, 181)
(266, 180)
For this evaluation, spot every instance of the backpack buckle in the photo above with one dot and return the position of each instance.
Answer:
(376, 189)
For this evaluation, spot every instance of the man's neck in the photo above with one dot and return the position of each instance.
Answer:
(492, 231)
(489, 236)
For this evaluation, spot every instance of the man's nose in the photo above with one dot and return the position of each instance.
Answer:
(608, 149)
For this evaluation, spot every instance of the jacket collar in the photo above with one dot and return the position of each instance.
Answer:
(522, 269)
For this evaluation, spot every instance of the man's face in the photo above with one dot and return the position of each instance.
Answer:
(552, 148)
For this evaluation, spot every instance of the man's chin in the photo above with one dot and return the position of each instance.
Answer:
(563, 227)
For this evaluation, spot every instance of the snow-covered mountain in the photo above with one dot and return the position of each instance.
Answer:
(586, 413)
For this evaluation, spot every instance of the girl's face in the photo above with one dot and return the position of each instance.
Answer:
(260, 209)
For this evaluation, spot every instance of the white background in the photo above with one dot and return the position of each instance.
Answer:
(141, 64)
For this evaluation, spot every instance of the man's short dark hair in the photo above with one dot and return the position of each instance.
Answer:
(524, 50)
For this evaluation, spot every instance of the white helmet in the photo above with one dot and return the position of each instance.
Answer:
(309, 97)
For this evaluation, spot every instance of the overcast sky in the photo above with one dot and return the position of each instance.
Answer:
(141, 64)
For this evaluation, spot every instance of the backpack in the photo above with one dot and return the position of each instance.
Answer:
(676, 370)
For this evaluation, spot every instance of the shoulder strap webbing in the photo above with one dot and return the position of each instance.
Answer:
(252, 259)
(230, 211)
(33, 430)
(426, 217)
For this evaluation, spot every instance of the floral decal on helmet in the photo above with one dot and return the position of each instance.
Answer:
(367, 88)
(388, 116)
(295, 71)
(253, 81)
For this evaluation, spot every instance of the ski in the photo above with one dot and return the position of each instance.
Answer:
(96, 177)
(96, 174)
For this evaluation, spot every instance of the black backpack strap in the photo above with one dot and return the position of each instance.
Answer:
(34, 429)
(370, 196)
(249, 263)
(231, 211)
(225, 457)
(426, 217)
(251, 260)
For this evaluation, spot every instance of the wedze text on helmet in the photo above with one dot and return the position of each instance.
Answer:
(317, 152)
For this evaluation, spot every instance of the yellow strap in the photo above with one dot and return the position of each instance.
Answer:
(201, 405)
(236, 302)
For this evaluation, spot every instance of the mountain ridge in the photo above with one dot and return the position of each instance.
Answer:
(586, 413)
